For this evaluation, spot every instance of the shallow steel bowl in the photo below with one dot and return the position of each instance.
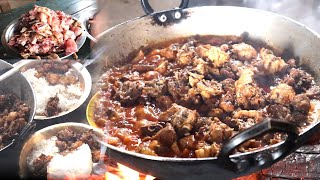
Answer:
(20, 86)
(85, 83)
(12, 28)
(47, 133)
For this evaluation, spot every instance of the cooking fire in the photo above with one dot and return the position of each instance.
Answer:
(117, 171)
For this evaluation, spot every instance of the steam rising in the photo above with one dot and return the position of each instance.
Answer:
(304, 11)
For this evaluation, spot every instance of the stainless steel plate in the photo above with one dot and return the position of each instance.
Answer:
(11, 29)
(85, 83)
(20, 86)
(47, 133)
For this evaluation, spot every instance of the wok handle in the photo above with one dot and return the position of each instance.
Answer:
(148, 9)
(262, 159)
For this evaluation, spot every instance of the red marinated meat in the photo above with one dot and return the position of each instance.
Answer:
(44, 32)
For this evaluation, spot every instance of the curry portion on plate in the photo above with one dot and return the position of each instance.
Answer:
(14, 116)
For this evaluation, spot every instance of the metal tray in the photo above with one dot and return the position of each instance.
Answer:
(11, 29)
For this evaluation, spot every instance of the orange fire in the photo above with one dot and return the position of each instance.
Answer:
(126, 173)
(122, 172)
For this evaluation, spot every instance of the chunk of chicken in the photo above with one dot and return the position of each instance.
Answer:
(181, 118)
(301, 103)
(194, 78)
(246, 77)
(244, 119)
(201, 66)
(213, 53)
(227, 101)
(219, 131)
(248, 94)
(272, 64)
(185, 58)
(166, 136)
(255, 114)
(209, 89)
(282, 94)
(178, 85)
(53, 78)
(244, 52)
(208, 150)
(218, 56)
(299, 79)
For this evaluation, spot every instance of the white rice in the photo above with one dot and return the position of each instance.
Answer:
(68, 95)
(75, 165)
(46, 146)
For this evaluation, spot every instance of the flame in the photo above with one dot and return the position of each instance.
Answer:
(125, 173)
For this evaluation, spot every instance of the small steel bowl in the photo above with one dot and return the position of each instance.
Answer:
(47, 133)
(20, 86)
(11, 29)
(85, 83)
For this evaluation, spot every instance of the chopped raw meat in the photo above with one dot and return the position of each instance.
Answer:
(71, 46)
(44, 31)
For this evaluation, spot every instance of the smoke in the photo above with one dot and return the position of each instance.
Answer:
(305, 11)
(116, 11)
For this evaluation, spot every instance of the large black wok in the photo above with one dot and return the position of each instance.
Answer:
(277, 31)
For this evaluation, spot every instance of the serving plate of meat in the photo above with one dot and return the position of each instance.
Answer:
(60, 87)
(17, 108)
(190, 91)
(65, 150)
(44, 34)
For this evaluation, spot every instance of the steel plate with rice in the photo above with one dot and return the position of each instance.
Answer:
(59, 86)
(65, 150)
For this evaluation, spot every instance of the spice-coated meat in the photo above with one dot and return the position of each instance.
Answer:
(52, 107)
(178, 85)
(155, 88)
(299, 80)
(271, 64)
(243, 119)
(301, 103)
(248, 94)
(187, 98)
(278, 111)
(166, 135)
(129, 92)
(282, 94)
(14, 115)
(244, 52)
(183, 119)
(219, 131)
